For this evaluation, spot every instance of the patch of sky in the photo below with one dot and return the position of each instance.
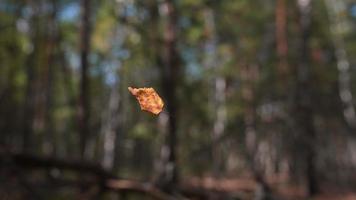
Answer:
(93, 58)
(27, 12)
(353, 10)
(194, 69)
(73, 59)
(70, 12)
(7, 7)
(143, 14)
(110, 73)
(22, 25)
(121, 53)
(130, 10)
(184, 22)
(210, 48)
(108, 69)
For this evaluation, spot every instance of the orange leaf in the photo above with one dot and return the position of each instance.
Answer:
(148, 99)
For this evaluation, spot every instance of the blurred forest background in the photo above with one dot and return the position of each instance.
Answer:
(259, 99)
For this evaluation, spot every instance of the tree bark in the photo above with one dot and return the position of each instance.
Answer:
(249, 76)
(84, 103)
(218, 93)
(110, 128)
(281, 37)
(217, 90)
(168, 175)
(303, 100)
(53, 40)
(32, 74)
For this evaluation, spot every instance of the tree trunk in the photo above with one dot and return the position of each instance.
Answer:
(218, 93)
(31, 85)
(303, 100)
(281, 37)
(168, 175)
(84, 103)
(110, 128)
(53, 40)
(249, 76)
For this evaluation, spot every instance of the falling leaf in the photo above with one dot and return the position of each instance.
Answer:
(148, 99)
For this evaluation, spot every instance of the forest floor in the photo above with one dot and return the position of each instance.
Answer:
(244, 188)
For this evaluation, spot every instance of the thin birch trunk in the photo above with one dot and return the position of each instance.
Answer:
(110, 128)
(338, 26)
(218, 97)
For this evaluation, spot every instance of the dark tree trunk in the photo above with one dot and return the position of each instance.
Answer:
(84, 103)
(303, 100)
(169, 59)
(281, 37)
(249, 78)
(28, 108)
(49, 141)
(31, 85)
